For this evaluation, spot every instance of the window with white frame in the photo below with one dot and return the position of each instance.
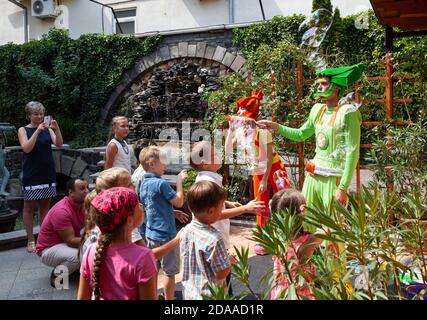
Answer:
(127, 21)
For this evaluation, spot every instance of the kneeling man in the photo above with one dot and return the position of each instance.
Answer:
(59, 236)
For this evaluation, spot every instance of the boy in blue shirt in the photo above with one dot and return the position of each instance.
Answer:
(158, 199)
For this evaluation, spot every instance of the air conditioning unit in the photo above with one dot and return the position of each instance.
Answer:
(43, 8)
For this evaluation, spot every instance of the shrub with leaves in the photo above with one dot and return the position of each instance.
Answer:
(379, 255)
(72, 78)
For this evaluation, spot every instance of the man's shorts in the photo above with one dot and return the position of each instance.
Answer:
(169, 262)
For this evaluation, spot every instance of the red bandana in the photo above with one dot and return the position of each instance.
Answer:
(118, 203)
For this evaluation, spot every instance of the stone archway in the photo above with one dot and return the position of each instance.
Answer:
(166, 53)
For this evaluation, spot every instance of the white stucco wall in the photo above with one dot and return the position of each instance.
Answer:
(154, 15)
(162, 15)
(79, 16)
(11, 23)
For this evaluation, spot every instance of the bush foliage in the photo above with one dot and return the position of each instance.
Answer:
(274, 45)
(72, 78)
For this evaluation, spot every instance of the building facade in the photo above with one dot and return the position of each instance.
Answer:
(21, 20)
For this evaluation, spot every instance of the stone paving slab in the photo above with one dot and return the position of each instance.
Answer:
(36, 273)
(24, 277)
(7, 280)
(10, 264)
(31, 290)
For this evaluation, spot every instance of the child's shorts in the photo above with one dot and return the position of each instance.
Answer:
(170, 261)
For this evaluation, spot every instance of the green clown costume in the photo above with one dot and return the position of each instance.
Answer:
(337, 132)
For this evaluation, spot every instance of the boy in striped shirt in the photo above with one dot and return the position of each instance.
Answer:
(203, 252)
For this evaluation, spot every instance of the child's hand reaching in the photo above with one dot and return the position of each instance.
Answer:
(181, 216)
(254, 207)
(182, 176)
(262, 185)
(231, 204)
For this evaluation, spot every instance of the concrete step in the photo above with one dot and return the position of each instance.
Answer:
(15, 239)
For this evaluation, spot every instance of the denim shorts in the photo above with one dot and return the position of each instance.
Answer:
(170, 261)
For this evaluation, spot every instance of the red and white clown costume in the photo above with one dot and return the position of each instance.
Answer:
(256, 147)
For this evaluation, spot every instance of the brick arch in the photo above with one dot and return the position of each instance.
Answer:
(165, 53)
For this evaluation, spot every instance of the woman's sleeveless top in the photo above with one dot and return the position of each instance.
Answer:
(38, 165)
(123, 156)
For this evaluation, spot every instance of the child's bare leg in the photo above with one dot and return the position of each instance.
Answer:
(169, 287)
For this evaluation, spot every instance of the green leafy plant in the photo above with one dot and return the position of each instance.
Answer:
(401, 158)
(72, 78)
(376, 255)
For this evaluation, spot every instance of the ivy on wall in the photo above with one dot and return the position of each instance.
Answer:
(72, 78)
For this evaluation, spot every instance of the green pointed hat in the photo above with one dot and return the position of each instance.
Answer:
(340, 77)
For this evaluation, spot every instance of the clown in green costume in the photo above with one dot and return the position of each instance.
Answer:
(336, 128)
(337, 131)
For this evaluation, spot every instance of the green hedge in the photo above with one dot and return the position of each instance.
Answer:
(72, 78)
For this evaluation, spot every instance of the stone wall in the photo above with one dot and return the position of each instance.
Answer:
(170, 94)
(214, 47)
(70, 163)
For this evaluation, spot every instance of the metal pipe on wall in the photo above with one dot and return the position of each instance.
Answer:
(262, 9)
(112, 10)
(25, 18)
(230, 11)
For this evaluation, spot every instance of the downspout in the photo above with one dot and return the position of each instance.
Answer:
(112, 10)
(25, 18)
(262, 9)
(230, 11)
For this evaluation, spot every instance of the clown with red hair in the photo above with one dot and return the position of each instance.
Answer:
(255, 148)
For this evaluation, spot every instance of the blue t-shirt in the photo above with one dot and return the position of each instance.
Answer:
(155, 194)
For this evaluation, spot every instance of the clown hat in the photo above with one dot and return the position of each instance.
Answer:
(340, 77)
(251, 104)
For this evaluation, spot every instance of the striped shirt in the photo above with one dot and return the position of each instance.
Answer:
(203, 254)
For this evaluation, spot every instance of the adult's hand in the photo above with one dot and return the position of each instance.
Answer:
(54, 125)
(341, 197)
(41, 127)
(270, 125)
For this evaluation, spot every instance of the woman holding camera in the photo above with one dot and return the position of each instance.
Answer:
(39, 174)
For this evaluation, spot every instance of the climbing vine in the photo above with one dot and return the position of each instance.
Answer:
(72, 78)
(274, 45)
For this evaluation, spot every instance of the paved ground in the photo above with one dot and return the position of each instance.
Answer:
(24, 277)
